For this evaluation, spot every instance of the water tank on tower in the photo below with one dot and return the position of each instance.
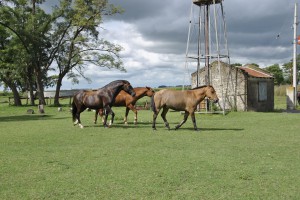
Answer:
(206, 2)
(207, 23)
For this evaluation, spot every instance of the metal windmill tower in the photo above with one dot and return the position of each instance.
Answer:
(208, 28)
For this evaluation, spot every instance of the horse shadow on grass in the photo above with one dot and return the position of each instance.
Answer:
(16, 118)
(121, 125)
(211, 129)
(200, 129)
(160, 126)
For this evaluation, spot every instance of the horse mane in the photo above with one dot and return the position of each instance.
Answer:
(114, 83)
(199, 87)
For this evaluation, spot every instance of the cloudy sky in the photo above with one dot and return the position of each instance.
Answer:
(154, 37)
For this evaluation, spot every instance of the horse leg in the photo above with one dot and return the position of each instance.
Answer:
(131, 107)
(112, 117)
(163, 115)
(78, 121)
(154, 118)
(126, 115)
(105, 117)
(96, 115)
(135, 115)
(76, 114)
(194, 121)
(186, 115)
(107, 111)
(100, 113)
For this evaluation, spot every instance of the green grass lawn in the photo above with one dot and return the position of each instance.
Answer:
(243, 155)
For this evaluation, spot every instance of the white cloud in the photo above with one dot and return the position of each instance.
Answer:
(154, 39)
(144, 67)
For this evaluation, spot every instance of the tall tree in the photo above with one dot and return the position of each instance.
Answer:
(277, 73)
(31, 25)
(11, 68)
(236, 65)
(288, 70)
(78, 42)
(69, 35)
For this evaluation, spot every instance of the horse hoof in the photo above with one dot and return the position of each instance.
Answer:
(75, 123)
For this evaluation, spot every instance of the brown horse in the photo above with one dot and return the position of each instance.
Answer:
(128, 101)
(186, 100)
(102, 98)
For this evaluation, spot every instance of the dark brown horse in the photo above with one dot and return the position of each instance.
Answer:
(186, 100)
(102, 98)
(123, 99)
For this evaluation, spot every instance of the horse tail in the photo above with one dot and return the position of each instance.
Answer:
(74, 111)
(153, 107)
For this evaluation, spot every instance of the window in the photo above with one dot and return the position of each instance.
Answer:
(262, 91)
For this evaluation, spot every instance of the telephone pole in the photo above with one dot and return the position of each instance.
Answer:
(295, 57)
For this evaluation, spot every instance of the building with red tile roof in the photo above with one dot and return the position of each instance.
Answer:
(243, 88)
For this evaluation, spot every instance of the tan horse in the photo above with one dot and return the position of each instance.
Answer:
(123, 99)
(186, 100)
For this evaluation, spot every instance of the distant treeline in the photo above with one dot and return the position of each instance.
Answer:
(177, 86)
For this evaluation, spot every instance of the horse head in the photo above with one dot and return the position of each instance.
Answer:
(150, 92)
(211, 94)
(128, 88)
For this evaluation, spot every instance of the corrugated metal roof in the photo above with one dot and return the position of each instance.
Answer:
(256, 73)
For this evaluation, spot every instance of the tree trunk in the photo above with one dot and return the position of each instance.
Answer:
(17, 99)
(40, 86)
(13, 87)
(30, 85)
(57, 90)
(31, 95)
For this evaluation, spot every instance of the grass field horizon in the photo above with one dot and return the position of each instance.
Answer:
(243, 155)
